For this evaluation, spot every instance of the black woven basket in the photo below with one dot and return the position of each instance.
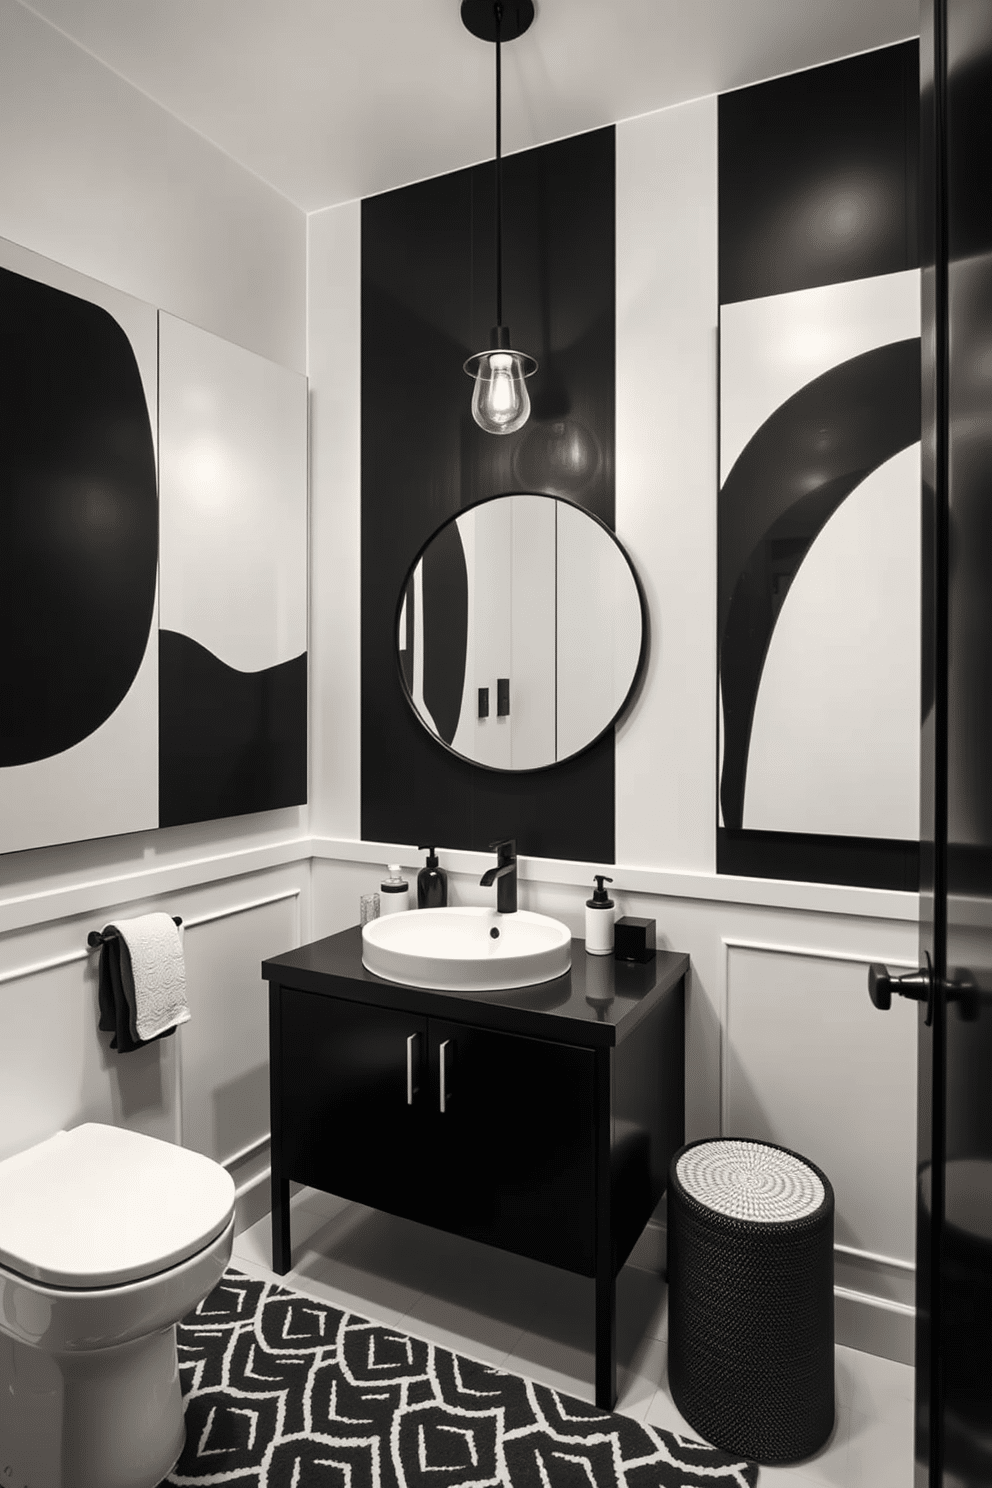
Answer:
(751, 1323)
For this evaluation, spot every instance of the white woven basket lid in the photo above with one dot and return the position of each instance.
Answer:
(747, 1180)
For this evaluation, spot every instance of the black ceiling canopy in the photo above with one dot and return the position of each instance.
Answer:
(479, 17)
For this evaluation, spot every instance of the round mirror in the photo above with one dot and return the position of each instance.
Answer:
(520, 632)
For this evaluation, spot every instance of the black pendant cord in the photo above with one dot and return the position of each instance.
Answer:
(498, 12)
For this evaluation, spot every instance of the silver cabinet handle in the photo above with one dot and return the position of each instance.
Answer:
(411, 1089)
(444, 1075)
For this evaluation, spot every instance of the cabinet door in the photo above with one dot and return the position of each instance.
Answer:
(349, 1124)
(514, 1152)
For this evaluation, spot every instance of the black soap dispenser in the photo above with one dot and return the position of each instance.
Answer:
(600, 915)
(432, 883)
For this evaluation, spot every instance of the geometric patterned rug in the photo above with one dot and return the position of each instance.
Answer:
(282, 1391)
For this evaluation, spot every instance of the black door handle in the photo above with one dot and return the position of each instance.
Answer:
(917, 985)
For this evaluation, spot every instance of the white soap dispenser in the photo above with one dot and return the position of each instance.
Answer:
(394, 892)
(601, 912)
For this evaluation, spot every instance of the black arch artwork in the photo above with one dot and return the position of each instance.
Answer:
(803, 461)
(78, 518)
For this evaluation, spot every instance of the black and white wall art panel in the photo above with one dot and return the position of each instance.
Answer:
(78, 556)
(819, 505)
(233, 619)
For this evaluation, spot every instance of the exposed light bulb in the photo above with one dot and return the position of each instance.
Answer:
(500, 400)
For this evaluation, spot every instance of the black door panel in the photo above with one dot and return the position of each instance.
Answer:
(514, 1156)
(350, 1127)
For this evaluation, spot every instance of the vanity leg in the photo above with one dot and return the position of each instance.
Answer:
(282, 1245)
(606, 1341)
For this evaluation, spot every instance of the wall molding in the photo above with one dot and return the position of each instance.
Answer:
(873, 1258)
(40, 907)
(92, 895)
(84, 953)
(834, 899)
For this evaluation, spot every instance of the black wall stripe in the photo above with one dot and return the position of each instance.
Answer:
(427, 303)
(818, 176)
(230, 742)
(78, 518)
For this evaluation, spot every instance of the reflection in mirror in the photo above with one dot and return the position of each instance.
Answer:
(520, 632)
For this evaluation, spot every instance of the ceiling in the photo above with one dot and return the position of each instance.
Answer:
(328, 100)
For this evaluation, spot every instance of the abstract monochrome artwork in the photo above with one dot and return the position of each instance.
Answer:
(233, 640)
(819, 505)
(109, 724)
(78, 557)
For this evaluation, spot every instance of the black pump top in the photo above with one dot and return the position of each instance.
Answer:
(432, 855)
(600, 896)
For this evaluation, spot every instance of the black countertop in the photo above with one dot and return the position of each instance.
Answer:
(597, 1003)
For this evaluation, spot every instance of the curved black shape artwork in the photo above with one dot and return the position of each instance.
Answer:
(786, 484)
(78, 518)
(230, 742)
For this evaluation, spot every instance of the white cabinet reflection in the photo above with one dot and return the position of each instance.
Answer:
(520, 632)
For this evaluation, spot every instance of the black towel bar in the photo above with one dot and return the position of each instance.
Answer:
(97, 937)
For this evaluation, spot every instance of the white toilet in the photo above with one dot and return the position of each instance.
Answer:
(107, 1239)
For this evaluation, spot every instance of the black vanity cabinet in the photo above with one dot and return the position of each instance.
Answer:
(539, 1120)
(514, 1151)
(347, 1126)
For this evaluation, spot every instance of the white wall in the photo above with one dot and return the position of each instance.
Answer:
(334, 340)
(97, 177)
(666, 412)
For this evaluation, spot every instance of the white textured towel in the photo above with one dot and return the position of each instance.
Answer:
(153, 972)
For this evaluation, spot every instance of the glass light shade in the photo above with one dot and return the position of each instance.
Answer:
(500, 400)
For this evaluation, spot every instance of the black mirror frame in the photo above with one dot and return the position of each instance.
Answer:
(640, 669)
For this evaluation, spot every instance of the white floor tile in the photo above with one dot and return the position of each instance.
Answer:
(322, 1203)
(664, 1413)
(881, 1449)
(869, 1384)
(461, 1330)
(551, 1362)
(638, 1385)
(642, 1305)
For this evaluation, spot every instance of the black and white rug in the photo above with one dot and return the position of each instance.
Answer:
(282, 1391)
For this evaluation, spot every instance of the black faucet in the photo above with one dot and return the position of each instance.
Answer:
(504, 875)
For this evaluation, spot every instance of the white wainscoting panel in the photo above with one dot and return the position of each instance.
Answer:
(207, 1085)
(56, 1069)
(809, 1063)
(225, 1048)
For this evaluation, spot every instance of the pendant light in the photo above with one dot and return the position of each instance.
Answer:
(500, 401)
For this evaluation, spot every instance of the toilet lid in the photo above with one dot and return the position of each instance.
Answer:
(99, 1206)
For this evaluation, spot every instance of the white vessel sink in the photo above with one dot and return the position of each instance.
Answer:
(466, 949)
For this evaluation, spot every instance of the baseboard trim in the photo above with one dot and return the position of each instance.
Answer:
(875, 1325)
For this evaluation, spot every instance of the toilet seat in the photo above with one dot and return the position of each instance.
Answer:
(101, 1206)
